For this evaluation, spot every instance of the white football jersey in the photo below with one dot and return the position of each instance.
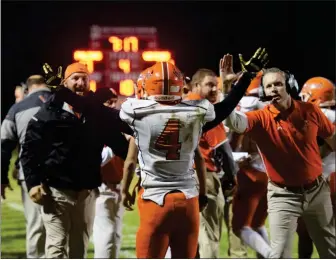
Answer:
(167, 137)
(328, 162)
(246, 104)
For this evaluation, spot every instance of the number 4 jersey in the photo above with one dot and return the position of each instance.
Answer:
(167, 137)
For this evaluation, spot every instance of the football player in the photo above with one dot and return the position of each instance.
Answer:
(166, 135)
(320, 91)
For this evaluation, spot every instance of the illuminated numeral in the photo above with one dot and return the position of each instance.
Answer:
(125, 65)
(126, 87)
(169, 140)
(131, 44)
(156, 56)
(117, 43)
(93, 85)
(88, 57)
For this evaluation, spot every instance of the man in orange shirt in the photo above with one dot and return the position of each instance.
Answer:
(285, 132)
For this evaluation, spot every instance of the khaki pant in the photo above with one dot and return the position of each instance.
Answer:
(107, 227)
(236, 249)
(68, 218)
(35, 231)
(211, 218)
(285, 207)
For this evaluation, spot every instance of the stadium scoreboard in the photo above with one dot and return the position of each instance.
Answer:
(117, 55)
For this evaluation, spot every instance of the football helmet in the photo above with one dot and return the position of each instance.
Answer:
(320, 91)
(163, 82)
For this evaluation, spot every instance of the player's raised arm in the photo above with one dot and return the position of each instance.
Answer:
(249, 69)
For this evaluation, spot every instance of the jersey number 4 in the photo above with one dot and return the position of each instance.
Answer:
(169, 140)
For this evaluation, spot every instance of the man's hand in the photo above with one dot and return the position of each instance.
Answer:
(228, 185)
(226, 72)
(53, 80)
(36, 194)
(3, 190)
(257, 62)
(128, 200)
(203, 202)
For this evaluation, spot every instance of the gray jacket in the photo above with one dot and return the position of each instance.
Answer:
(13, 128)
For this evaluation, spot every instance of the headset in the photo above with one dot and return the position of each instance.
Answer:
(292, 87)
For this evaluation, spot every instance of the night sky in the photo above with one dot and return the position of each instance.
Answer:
(299, 36)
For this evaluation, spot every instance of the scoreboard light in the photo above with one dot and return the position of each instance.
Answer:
(88, 57)
(126, 87)
(125, 65)
(93, 85)
(156, 56)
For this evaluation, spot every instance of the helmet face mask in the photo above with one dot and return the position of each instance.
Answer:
(319, 91)
(163, 82)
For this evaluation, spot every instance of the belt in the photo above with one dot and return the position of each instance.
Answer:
(297, 189)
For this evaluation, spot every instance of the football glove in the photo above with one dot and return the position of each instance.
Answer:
(53, 80)
(257, 62)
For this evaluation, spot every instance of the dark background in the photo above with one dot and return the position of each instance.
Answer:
(299, 36)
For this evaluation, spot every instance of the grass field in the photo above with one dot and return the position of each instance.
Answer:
(13, 231)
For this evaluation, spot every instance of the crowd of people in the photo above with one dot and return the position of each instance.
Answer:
(233, 148)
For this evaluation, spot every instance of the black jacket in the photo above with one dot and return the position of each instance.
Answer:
(64, 151)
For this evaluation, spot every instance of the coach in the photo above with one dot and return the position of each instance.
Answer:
(61, 158)
(285, 132)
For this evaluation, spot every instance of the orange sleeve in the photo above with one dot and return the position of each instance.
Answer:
(215, 136)
(255, 120)
(325, 127)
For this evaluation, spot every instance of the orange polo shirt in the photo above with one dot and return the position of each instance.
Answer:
(209, 141)
(287, 141)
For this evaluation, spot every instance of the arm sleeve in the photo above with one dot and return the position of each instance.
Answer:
(224, 108)
(118, 143)
(9, 141)
(79, 103)
(31, 152)
(237, 121)
(112, 118)
(90, 107)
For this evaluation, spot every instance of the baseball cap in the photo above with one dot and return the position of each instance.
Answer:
(74, 68)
